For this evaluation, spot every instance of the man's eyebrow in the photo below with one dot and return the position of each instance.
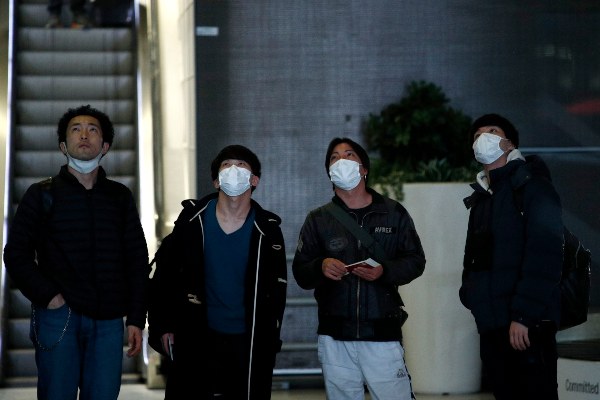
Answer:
(81, 123)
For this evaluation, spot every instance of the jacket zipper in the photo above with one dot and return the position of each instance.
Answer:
(358, 279)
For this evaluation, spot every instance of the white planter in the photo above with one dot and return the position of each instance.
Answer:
(440, 336)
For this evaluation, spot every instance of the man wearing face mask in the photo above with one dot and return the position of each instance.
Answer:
(512, 264)
(360, 312)
(217, 299)
(76, 250)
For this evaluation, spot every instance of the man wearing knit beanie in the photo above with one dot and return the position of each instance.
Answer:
(496, 120)
(512, 265)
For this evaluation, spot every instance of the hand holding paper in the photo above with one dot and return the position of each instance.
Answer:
(369, 263)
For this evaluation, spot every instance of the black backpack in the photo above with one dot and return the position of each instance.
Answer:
(575, 280)
(165, 256)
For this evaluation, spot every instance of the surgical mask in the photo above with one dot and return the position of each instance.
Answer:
(82, 166)
(345, 174)
(487, 148)
(234, 180)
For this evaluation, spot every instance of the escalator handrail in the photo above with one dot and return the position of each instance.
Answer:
(8, 195)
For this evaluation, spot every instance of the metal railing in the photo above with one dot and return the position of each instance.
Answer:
(11, 16)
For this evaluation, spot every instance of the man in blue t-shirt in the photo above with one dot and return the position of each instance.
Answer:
(218, 292)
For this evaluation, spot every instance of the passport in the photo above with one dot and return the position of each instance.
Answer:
(369, 263)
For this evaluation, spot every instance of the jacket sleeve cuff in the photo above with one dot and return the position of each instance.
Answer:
(528, 322)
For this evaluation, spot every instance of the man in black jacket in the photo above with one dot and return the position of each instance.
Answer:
(219, 289)
(512, 265)
(360, 309)
(77, 250)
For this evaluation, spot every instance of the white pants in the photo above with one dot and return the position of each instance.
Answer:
(349, 365)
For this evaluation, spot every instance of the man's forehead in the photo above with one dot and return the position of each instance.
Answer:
(343, 148)
(486, 127)
(84, 119)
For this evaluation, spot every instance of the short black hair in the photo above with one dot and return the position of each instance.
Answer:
(235, 152)
(108, 130)
(358, 149)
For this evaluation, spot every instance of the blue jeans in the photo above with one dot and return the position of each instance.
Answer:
(74, 352)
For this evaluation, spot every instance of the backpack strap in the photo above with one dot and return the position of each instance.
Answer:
(192, 208)
(518, 180)
(351, 225)
(47, 197)
(534, 167)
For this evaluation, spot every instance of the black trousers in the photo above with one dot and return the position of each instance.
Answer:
(216, 366)
(228, 365)
(521, 375)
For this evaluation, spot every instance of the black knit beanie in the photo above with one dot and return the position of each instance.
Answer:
(496, 120)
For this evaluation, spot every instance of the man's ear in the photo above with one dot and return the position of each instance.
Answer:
(105, 147)
(63, 147)
(363, 171)
(510, 146)
(254, 180)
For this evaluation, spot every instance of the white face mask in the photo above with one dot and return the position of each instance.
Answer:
(345, 174)
(81, 166)
(487, 148)
(234, 181)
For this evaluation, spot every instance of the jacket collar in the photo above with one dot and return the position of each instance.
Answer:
(482, 187)
(69, 177)
(260, 214)
(481, 179)
(378, 203)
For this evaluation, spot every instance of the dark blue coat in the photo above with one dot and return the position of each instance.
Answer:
(513, 261)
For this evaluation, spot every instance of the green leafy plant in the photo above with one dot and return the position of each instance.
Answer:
(420, 138)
